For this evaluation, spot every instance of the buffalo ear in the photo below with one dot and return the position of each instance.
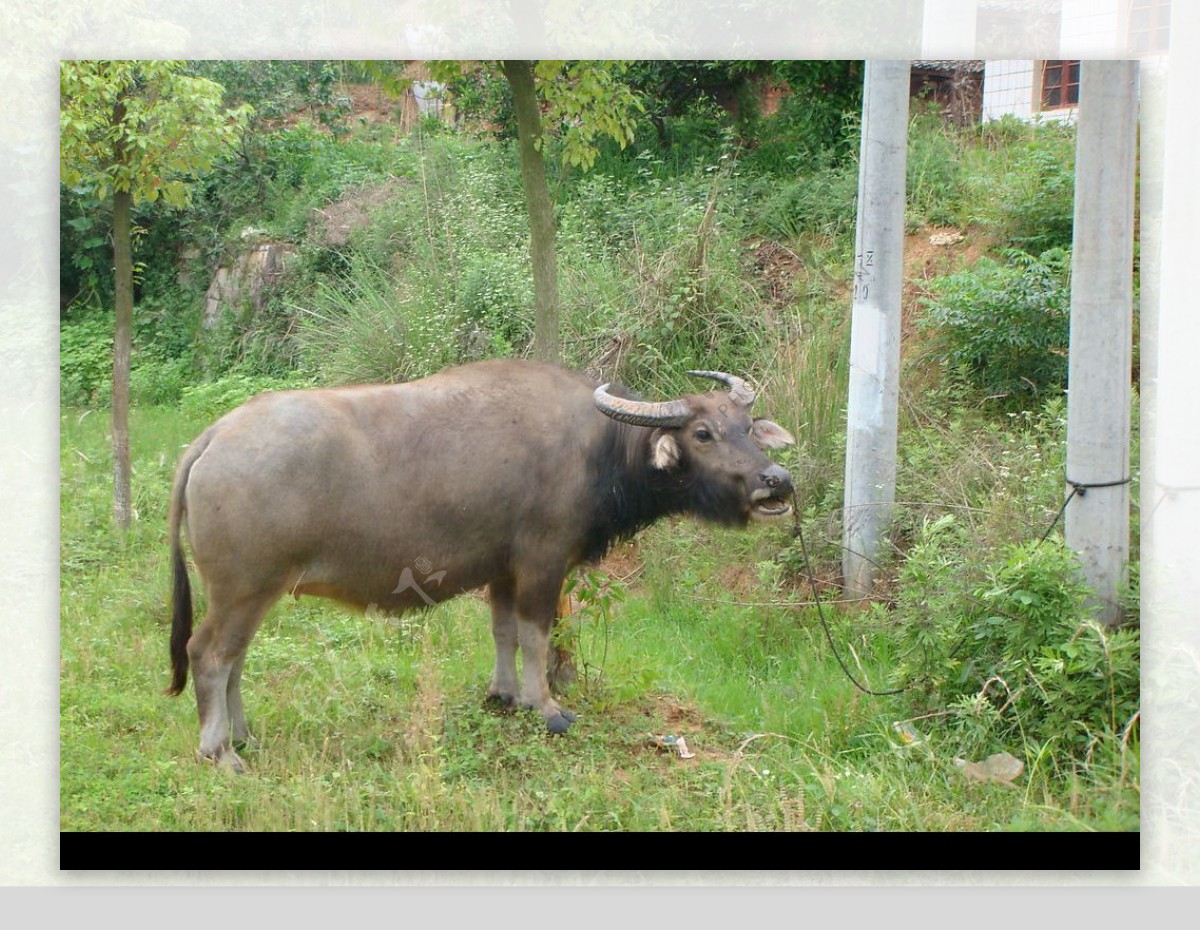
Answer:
(770, 435)
(664, 450)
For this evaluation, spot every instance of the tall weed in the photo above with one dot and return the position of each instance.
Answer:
(372, 327)
(821, 202)
(654, 283)
(1022, 184)
(934, 170)
(812, 377)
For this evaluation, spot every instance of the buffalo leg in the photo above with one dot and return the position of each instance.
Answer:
(504, 631)
(536, 604)
(233, 700)
(216, 653)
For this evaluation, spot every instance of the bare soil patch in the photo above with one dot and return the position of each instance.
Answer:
(332, 225)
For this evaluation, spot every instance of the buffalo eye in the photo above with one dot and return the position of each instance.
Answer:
(703, 435)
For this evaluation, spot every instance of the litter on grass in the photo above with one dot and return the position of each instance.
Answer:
(675, 744)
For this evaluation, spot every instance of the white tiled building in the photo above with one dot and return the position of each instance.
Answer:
(1020, 87)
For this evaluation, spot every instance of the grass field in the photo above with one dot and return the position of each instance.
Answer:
(373, 723)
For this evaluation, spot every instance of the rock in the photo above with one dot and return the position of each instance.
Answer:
(189, 258)
(999, 767)
(247, 281)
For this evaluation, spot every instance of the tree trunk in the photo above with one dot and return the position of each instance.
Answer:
(122, 346)
(519, 75)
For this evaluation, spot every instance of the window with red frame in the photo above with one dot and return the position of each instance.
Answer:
(1060, 84)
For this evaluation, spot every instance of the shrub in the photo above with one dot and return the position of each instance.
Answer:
(696, 135)
(1006, 647)
(1028, 202)
(1001, 477)
(85, 359)
(157, 382)
(822, 202)
(84, 252)
(1002, 328)
(443, 269)
(166, 317)
(216, 398)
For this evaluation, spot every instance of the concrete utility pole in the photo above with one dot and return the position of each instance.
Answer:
(1098, 376)
(871, 413)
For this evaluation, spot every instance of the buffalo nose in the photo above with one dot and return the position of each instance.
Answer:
(777, 479)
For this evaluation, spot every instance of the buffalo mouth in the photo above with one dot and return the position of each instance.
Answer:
(765, 505)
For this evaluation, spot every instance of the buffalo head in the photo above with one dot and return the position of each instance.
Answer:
(709, 450)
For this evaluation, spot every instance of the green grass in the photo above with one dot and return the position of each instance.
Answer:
(367, 723)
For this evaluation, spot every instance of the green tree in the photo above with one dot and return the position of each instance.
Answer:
(579, 101)
(136, 131)
(818, 112)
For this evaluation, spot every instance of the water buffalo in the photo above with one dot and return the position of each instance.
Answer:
(500, 473)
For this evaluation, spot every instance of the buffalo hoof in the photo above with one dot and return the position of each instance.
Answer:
(225, 759)
(500, 700)
(560, 722)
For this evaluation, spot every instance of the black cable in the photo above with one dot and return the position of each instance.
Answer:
(1081, 488)
(1077, 488)
(812, 583)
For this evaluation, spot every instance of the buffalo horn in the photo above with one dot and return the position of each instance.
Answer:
(642, 413)
(739, 391)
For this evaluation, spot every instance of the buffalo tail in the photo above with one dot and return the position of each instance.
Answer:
(181, 608)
